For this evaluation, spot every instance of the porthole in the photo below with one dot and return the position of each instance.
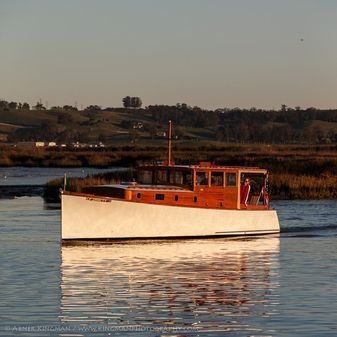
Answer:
(160, 197)
(139, 195)
(195, 199)
(176, 197)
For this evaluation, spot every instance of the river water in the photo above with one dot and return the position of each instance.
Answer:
(10, 176)
(283, 285)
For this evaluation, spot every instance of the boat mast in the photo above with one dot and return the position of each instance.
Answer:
(64, 181)
(169, 143)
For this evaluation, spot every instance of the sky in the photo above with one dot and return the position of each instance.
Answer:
(206, 53)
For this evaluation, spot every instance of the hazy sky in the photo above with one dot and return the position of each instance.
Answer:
(210, 53)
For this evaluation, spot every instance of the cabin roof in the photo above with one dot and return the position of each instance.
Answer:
(136, 187)
(207, 167)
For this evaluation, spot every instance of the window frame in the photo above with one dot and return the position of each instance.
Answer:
(226, 179)
(219, 174)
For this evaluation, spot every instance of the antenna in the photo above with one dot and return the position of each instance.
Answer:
(169, 135)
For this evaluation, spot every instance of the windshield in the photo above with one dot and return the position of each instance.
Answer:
(145, 177)
(183, 178)
(160, 176)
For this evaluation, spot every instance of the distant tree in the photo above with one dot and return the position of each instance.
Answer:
(132, 102)
(4, 105)
(125, 124)
(55, 108)
(93, 108)
(283, 107)
(82, 137)
(19, 106)
(69, 108)
(65, 136)
(183, 106)
(48, 126)
(12, 105)
(178, 133)
(39, 106)
(127, 102)
(25, 106)
(65, 118)
(136, 102)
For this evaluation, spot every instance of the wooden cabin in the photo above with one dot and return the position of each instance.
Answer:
(202, 186)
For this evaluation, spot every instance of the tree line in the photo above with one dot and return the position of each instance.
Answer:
(229, 125)
(283, 126)
(128, 102)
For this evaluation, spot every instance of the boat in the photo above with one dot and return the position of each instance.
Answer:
(172, 201)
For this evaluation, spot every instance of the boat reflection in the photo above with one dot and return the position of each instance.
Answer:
(214, 285)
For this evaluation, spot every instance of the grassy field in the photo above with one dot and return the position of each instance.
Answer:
(26, 117)
(115, 126)
(106, 123)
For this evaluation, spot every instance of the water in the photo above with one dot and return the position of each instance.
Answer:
(40, 176)
(262, 286)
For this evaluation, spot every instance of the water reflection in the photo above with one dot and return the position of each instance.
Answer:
(211, 285)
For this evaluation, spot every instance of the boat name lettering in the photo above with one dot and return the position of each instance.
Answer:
(98, 199)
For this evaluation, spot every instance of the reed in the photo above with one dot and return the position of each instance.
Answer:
(298, 160)
(291, 186)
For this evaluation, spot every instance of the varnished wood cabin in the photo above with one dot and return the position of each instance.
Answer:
(203, 186)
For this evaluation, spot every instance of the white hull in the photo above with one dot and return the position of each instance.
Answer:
(103, 218)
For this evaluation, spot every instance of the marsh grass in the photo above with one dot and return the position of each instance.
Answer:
(291, 186)
(297, 172)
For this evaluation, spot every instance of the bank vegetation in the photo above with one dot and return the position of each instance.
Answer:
(296, 172)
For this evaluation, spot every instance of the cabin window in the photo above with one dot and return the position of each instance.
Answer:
(145, 176)
(176, 197)
(230, 179)
(217, 178)
(160, 197)
(202, 178)
(172, 177)
(195, 199)
(181, 178)
(161, 177)
(139, 195)
(176, 177)
(187, 178)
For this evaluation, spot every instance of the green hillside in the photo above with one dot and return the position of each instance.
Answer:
(147, 126)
